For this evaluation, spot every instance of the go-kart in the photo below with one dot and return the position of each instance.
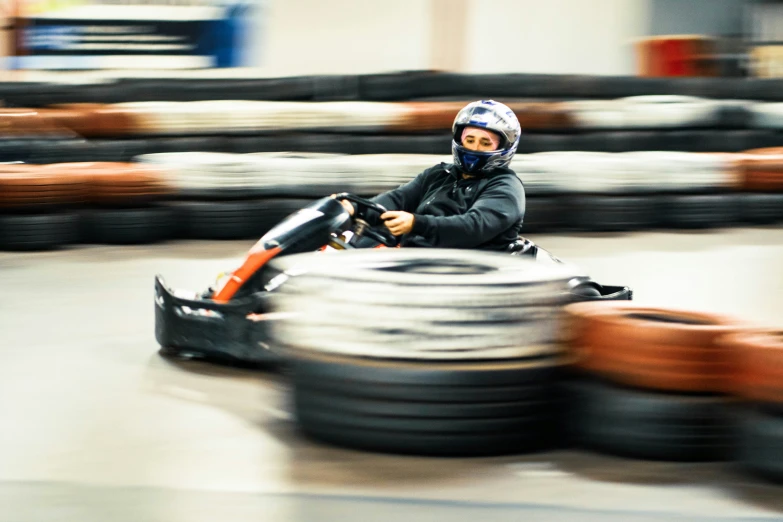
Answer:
(229, 321)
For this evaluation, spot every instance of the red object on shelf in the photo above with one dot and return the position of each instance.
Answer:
(676, 55)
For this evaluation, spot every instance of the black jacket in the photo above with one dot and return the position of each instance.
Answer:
(451, 212)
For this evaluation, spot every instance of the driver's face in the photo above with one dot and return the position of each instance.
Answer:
(477, 140)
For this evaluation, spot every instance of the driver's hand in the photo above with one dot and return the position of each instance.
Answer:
(346, 204)
(398, 222)
(348, 207)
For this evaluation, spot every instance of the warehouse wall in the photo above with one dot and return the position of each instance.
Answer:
(344, 36)
(720, 17)
(289, 37)
(556, 36)
(354, 36)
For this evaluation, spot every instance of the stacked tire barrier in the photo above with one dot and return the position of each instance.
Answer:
(47, 206)
(467, 353)
(669, 384)
(208, 195)
(565, 190)
(597, 154)
(758, 357)
(225, 84)
(658, 382)
(452, 353)
(238, 117)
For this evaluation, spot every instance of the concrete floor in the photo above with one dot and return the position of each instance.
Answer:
(95, 425)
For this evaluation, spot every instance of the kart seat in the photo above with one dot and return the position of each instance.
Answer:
(522, 247)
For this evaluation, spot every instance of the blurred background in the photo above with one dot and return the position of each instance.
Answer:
(616, 37)
(721, 37)
(147, 137)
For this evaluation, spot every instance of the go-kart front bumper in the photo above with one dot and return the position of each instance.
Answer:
(192, 327)
(237, 332)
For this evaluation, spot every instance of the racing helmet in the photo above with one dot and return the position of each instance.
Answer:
(492, 116)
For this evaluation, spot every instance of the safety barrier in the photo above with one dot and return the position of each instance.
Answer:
(240, 196)
(237, 117)
(45, 88)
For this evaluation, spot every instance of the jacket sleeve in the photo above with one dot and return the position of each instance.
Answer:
(498, 207)
(405, 197)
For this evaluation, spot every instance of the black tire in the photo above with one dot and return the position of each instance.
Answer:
(761, 444)
(128, 226)
(675, 140)
(38, 231)
(699, 211)
(326, 143)
(251, 144)
(465, 409)
(611, 213)
(761, 209)
(741, 140)
(195, 144)
(424, 144)
(610, 87)
(124, 149)
(593, 142)
(726, 88)
(336, 87)
(694, 140)
(335, 406)
(734, 116)
(429, 444)
(218, 220)
(453, 377)
(169, 89)
(646, 425)
(407, 85)
(423, 392)
(543, 214)
(627, 141)
(233, 219)
(62, 151)
(532, 143)
(763, 89)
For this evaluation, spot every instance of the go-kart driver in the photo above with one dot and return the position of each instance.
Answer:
(476, 202)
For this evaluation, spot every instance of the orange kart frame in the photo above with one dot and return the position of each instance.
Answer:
(229, 323)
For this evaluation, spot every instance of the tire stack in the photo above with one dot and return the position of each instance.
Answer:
(436, 353)
(597, 191)
(605, 192)
(218, 196)
(565, 190)
(698, 191)
(762, 181)
(45, 207)
(650, 382)
(546, 208)
(758, 382)
(242, 196)
(124, 203)
(38, 207)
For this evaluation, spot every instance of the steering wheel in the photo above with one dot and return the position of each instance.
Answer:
(361, 226)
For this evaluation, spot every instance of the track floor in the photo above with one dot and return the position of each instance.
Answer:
(96, 425)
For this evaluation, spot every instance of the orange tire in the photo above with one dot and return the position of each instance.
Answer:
(758, 365)
(762, 169)
(429, 116)
(35, 186)
(113, 183)
(648, 347)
